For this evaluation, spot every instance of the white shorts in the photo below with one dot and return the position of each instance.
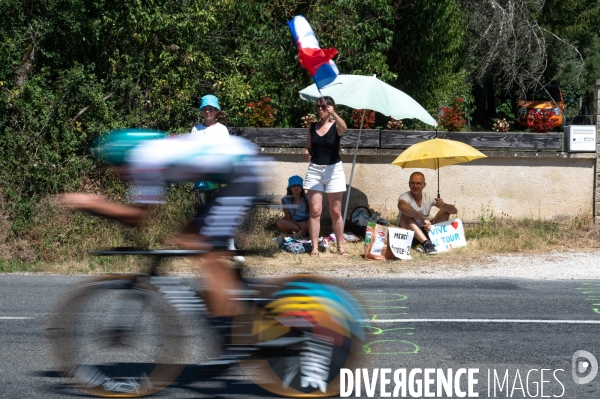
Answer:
(325, 178)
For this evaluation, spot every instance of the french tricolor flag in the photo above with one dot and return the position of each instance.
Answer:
(317, 61)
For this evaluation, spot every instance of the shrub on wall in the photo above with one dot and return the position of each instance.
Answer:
(356, 119)
(539, 121)
(395, 124)
(452, 118)
(501, 126)
(261, 113)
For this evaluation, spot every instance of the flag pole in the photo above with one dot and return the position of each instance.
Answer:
(321, 94)
(353, 164)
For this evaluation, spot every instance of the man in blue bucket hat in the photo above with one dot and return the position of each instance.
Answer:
(213, 129)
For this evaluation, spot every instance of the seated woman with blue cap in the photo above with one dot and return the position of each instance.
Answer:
(296, 217)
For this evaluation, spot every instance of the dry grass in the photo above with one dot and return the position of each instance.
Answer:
(526, 235)
(60, 240)
(488, 237)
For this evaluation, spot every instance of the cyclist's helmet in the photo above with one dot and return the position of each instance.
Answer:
(114, 146)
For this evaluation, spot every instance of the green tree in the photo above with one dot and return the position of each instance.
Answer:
(574, 48)
(72, 69)
(266, 57)
(427, 53)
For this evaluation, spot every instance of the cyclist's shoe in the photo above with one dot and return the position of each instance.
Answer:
(429, 248)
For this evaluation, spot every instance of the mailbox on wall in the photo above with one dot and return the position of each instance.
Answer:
(580, 138)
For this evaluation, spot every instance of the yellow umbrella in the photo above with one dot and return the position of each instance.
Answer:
(436, 153)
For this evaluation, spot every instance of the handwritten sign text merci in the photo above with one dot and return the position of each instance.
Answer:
(400, 240)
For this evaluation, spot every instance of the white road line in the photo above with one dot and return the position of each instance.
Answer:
(14, 318)
(523, 321)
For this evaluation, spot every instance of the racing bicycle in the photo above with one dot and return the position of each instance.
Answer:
(131, 335)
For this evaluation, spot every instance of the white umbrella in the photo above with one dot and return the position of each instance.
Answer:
(368, 92)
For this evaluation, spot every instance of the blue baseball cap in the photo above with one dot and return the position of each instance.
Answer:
(295, 180)
(210, 100)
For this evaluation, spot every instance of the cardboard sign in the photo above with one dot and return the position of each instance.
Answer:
(448, 235)
(400, 240)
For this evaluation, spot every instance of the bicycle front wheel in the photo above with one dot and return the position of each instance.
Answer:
(113, 337)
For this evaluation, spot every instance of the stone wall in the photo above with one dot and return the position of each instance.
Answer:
(548, 185)
(525, 174)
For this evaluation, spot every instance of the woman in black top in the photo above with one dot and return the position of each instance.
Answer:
(325, 173)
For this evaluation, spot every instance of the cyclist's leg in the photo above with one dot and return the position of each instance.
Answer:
(222, 280)
(99, 205)
(212, 227)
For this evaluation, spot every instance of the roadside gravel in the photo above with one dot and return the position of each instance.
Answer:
(562, 264)
(553, 265)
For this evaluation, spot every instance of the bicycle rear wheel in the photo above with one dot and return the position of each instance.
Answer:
(310, 330)
(113, 337)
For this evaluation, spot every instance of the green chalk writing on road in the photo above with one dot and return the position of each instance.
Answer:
(390, 347)
(394, 306)
(379, 331)
(592, 293)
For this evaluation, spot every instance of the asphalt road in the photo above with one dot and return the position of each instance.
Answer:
(504, 328)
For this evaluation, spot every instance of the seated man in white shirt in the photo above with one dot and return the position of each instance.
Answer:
(414, 207)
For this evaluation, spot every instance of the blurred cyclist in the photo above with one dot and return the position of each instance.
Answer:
(152, 160)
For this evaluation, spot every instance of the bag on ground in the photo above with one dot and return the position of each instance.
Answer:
(377, 246)
(296, 247)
